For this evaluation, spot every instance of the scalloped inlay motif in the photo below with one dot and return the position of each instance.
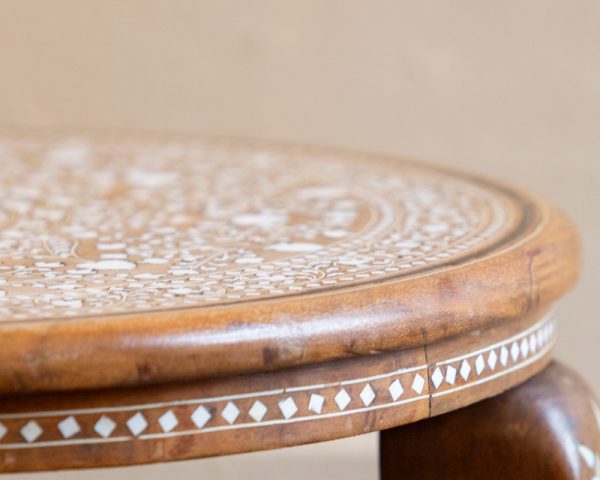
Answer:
(106, 224)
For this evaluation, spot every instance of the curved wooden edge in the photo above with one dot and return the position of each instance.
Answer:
(531, 273)
(270, 410)
(549, 428)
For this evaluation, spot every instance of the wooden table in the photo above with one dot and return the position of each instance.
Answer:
(166, 297)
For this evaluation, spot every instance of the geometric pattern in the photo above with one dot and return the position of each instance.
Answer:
(69, 427)
(258, 411)
(105, 426)
(484, 362)
(31, 431)
(297, 404)
(168, 421)
(342, 399)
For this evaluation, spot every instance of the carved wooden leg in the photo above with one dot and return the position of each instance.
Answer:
(547, 428)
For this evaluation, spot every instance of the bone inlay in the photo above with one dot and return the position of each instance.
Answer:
(261, 409)
(132, 225)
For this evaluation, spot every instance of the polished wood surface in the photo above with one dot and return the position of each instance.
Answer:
(136, 259)
(547, 428)
(273, 409)
(166, 297)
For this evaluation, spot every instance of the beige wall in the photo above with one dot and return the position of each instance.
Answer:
(509, 89)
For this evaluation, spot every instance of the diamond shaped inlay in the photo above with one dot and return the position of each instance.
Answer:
(396, 390)
(418, 383)
(504, 356)
(367, 395)
(288, 407)
(315, 404)
(514, 351)
(524, 348)
(437, 378)
(533, 343)
(137, 424)
(104, 426)
(69, 427)
(540, 338)
(544, 332)
(257, 411)
(230, 413)
(31, 431)
(465, 370)
(450, 375)
(200, 416)
(492, 359)
(479, 364)
(342, 399)
(168, 421)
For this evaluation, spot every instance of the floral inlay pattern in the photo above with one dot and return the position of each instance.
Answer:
(105, 224)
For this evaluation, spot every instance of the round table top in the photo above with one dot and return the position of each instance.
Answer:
(139, 258)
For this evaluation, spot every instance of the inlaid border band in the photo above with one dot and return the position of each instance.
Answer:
(186, 417)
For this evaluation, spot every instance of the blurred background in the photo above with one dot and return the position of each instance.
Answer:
(506, 89)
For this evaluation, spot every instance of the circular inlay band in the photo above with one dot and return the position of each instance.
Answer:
(264, 411)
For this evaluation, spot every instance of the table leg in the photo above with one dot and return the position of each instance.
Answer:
(547, 428)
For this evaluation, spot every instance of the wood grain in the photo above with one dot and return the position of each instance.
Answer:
(268, 410)
(548, 428)
(531, 260)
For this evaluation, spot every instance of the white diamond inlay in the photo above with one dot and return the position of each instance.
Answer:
(492, 359)
(315, 404)
(504, 356)
(544, 332)
(137, 424)
(418, 383)
(200, 416)
(396, 389)
(288, 407)
(31, 431)
(105, 426)
(168, 421)
(437, 377)
(450, 375)
(465, 370)
(540, 338)
(533, 343)
(69, 427)
(257, 411)
(479, 364)
(342, 399)
(367, 395)
(230, 412)
(524, 348)
(514, 351)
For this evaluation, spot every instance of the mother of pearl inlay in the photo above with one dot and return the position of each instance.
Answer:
(95, 225)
